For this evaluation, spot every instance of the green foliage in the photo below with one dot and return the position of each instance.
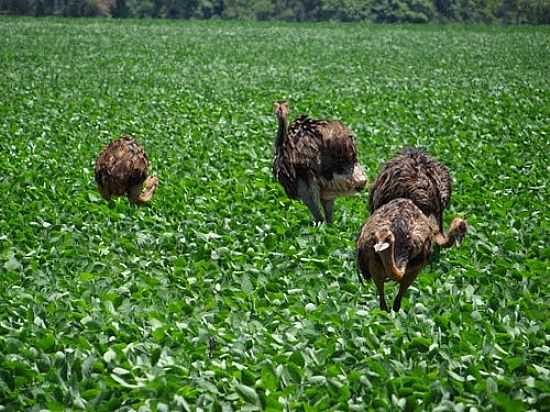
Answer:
(392, 11)
(346, 10)
(411, 11)
(248, 9)
(221, 295)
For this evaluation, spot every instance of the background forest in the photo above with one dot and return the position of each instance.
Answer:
(381, 11)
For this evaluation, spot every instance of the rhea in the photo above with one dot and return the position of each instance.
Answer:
(397, 241)
(121, 170)
(316, 162)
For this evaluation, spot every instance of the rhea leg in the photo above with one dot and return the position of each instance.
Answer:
(407, 281)
(379, 282)
(135, 194)
(104, 192)
(327, 206)
(310, 195)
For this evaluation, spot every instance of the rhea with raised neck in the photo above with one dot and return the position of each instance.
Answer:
(281, 112)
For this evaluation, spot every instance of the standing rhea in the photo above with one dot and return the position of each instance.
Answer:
(395, 243)
(121, 169)
(414, 175)
(316, 161)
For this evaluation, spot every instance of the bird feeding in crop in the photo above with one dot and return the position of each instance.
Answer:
(397, 241)
(121, 170)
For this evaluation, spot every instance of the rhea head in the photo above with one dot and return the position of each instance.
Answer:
(457, 230)
(280, 108)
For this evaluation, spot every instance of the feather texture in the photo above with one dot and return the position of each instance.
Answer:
(121, 169)
(411, 229)
(414, 175)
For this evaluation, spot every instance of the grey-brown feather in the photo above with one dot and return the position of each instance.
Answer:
(412, 230)
(121, 166)
(313, 149)
(414, 175)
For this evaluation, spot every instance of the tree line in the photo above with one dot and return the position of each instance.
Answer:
(381, 11)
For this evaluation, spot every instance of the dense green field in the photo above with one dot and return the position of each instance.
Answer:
(221, 295)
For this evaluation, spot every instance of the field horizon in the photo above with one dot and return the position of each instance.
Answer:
(221, 295)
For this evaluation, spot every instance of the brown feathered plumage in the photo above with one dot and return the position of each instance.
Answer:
(414, 175)
(121, 169)
(395, 243)
(316, 161)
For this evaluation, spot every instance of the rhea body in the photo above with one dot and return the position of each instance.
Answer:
(121, 170)
(316, 162)
(414, 175)
(397, 241)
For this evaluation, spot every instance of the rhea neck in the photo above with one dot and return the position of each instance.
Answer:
(448, 239)
(282, 131)
(386, 252)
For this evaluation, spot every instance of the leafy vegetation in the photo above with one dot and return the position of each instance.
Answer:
(221, 295)
(390, 11)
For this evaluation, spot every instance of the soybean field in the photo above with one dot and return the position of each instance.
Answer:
(221, 295)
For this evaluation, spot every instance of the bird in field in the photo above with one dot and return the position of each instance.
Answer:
(316, 161)
(414, 175)
(121, 170)
(396, 242)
